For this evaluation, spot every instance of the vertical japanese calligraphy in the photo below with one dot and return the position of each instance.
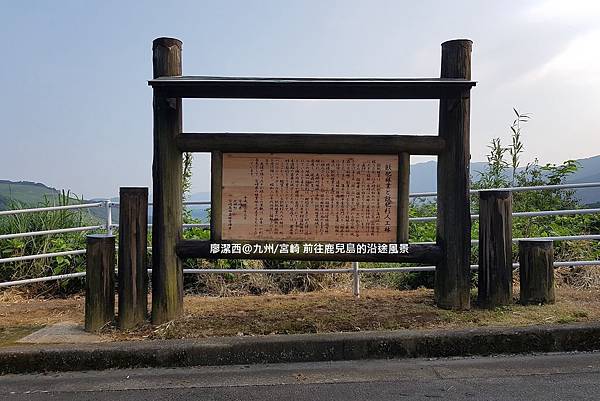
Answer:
(309, 197)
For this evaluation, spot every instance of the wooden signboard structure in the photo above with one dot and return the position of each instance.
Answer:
(310, 188)
(310, 197)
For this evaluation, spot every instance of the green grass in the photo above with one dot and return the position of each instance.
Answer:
(32, 245)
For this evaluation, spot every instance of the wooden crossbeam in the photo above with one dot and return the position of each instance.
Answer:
(429, 254)
(310, 143)
(309, 88)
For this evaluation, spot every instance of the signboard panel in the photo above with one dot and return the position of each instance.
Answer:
(309, 197)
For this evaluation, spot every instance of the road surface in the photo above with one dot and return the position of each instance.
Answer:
(565, 376)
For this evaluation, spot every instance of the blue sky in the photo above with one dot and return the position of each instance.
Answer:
(76, 109)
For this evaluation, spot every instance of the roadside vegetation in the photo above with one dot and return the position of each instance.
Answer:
(302, 312)
(505, 168)
(31, 245)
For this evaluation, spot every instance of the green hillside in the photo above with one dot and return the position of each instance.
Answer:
(34, 194)
(29, 193)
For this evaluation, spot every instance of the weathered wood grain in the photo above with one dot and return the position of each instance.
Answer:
(99, 281)
(133, 251)
(309, 197)
(167, 276)
(216, 193)
(403, 201)
(452, 276)
(311, 143)
(310, 88)
(536, 272)
(495, 249)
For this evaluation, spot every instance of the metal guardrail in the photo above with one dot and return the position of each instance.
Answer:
(410, 269)
(566, 212)
(49, 232)
(51, 208)
(516, 189)
(42, 256)
(584, 237)
(109, 225)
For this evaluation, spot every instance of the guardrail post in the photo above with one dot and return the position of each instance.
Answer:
(495, 248)
(167, 176)
(536, 272)
(108, 220)
(99, 281)
(453, 273)
(355, 280)
(133, 248)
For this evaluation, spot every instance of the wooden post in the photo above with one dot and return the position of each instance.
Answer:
(133, 248)
(167, 273)
(536, 272)
(99, 281)
(452, 275)
(495, 248)
(216, 189)
(403, 202)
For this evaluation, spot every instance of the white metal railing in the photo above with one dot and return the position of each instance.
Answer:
(584, 237)
(49, 232)
(50, 208)
(43, 256)
(566, 212)
(516, 189)
(355, 270)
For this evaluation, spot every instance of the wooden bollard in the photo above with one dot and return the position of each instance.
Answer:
(99, 281)
(536, 272)
(495, 248)
(133, 246)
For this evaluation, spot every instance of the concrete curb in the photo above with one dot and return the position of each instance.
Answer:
(300, 348)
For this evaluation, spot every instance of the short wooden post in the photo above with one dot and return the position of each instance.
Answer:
(495, 248)
(167, 273)
(133, 248)
(99, 281)
(452, 275)
(536, 272)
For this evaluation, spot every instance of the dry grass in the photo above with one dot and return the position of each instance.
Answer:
(581, 277)
(18, 310)
(21, 315)
(314, 312)
(334, 311)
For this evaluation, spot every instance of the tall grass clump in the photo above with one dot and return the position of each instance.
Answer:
(31, 245)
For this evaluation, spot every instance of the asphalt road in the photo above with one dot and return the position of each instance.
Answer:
(572, 376)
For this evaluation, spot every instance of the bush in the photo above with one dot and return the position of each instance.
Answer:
(41, 221)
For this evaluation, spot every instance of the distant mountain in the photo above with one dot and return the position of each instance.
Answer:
(34, 194)
(27, 192)
(423, 177)
(200, 211)
(589, 171)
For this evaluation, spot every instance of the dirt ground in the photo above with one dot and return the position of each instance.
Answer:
(314, 312)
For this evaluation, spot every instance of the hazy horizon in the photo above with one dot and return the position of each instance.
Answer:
(77, 110)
